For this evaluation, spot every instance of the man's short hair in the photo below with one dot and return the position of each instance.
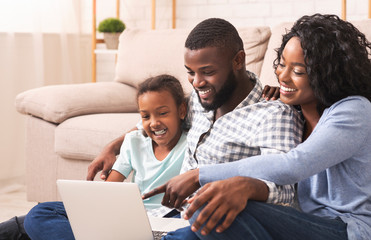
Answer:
(214, 32)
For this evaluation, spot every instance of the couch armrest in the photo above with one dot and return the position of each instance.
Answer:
(59, 102)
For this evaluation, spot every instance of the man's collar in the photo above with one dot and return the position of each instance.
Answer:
(255, 94)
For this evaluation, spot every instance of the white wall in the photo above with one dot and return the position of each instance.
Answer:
(137, 14)
(18, 72)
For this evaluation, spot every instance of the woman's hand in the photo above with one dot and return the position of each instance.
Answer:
(224, 198)
(271, 93)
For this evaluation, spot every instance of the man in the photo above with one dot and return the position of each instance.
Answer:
(229, 121)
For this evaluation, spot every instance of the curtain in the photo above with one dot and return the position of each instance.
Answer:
(42, 42)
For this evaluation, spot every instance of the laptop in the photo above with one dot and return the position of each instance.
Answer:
(111, 210)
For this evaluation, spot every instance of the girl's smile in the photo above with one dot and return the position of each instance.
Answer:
(161, 118)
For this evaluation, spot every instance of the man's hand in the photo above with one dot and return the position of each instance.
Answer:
(271, 93)
(177, 189)
(105, 160)
(224, 198)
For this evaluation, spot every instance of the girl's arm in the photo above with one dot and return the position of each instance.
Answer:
(115, 176)
(105, 160)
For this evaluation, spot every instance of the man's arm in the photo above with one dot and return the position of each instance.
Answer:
(280, 131)
(105, 160)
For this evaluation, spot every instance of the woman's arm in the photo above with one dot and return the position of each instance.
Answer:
(338, 136)
(271, 93)
(224, 198)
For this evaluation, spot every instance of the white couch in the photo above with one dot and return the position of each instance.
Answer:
(68, 125)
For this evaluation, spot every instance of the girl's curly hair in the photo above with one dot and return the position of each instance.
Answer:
(337, 57)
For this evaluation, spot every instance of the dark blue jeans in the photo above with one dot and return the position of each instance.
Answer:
(48, 221)
(267, 221)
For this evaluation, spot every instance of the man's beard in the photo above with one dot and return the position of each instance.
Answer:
(224, 94)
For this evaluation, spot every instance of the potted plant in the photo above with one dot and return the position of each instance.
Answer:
(111, 29)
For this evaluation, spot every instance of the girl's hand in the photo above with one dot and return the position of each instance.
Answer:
(271, 93)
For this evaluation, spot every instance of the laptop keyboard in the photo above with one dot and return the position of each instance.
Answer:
(157, 235)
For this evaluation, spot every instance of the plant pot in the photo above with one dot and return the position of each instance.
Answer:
(111, 40)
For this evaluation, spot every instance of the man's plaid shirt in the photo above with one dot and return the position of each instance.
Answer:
(254, 127)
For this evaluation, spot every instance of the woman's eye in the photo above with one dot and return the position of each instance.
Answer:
(145, 117)
(163, 113)
(298, 73)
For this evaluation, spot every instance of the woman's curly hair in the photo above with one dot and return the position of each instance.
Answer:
(337, 57)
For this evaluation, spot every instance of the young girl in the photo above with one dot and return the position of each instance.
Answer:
(155, 154)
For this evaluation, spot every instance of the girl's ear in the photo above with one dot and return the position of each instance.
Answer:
(182, 110)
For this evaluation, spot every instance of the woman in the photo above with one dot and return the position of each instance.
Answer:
(323, 66)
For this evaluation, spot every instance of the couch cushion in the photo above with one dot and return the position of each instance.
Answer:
(59, 102)
(255, 40)
(85, 136)
(145, 53)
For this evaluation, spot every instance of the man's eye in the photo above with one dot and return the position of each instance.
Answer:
(209, 73)
(191, 73)
(145, 116)
(164, 113)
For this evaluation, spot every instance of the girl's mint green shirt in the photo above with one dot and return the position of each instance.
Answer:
(136, 154)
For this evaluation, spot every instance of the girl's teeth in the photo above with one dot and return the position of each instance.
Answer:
(287, 89)
(160, 132)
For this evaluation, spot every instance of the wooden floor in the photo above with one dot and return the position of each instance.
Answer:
(13, 202)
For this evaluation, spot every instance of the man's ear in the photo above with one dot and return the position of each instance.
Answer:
(239, 60)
